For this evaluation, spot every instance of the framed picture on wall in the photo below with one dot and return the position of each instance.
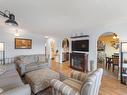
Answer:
(21, 43)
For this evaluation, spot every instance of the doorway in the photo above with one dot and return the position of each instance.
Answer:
(108, 53)
(65, 50)
(52, 49)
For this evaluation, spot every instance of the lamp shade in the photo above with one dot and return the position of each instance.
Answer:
(124, 47)
(11, 21)
(1, 46)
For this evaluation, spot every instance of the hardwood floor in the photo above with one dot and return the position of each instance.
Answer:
(109, 86)
(63, 68)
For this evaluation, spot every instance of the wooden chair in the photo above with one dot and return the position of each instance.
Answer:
(115, 62)
(108, 62)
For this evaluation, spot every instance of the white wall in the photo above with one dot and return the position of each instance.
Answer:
(8, 38)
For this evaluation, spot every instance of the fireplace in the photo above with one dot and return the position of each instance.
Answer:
(79, 61)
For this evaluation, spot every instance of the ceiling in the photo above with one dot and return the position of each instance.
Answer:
(62, 17)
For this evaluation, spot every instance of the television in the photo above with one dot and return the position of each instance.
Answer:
(80, 45)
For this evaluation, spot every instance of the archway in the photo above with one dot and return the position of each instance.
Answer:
(108, 53)
(53, 48)
(65, 50)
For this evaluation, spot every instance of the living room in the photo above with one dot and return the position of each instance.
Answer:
(44, 25)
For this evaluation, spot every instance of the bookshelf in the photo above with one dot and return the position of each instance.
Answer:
(124, 63)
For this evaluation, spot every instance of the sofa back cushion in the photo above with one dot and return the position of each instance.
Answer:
(42, 58)
(28, 58)
(36, 58)
(78, 75)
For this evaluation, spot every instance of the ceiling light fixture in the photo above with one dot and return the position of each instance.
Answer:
(11, 18)
(115, 36)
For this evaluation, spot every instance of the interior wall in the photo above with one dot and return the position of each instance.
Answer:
(8, 38)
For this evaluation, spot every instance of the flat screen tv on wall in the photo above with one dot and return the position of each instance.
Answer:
(80, 45)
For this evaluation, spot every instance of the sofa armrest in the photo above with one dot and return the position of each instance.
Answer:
(23, 90)
(60, 87)
(22, 68)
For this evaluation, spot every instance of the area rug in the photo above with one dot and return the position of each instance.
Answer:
(48, 90)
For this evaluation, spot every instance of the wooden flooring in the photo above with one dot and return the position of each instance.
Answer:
(109, 86)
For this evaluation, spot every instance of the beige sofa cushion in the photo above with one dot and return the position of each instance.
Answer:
(29, 59)
(31, 67)
(75, 84)
(77, 75)
(60, 88)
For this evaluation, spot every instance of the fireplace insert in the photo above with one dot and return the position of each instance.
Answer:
(79, 61)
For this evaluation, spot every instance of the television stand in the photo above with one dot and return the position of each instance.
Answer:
(79, 61)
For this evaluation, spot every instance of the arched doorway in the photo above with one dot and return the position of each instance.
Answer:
(52, 48)
(108, 53)
(65, 50)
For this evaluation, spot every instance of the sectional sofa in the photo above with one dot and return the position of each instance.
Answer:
(10, 80)
(11, 83)
(27, 63)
